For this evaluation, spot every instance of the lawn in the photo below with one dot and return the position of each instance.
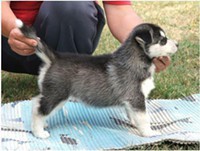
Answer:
(181, 22)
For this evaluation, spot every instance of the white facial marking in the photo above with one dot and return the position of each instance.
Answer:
(158, 50)
(162, 33)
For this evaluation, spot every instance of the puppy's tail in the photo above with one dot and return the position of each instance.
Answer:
(41, 50)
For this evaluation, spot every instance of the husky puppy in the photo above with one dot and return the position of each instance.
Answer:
(123, 78)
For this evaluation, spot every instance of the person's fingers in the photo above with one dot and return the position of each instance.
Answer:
(20, 47)
(16, 44)
(159, 65)
(165, 60)
(16, 34)
(25, 52)
(21, 44)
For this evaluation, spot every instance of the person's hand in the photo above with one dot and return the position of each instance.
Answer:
(161, 63)
(20, 44)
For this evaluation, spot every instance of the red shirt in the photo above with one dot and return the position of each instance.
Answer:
(123, 2)
(28, 10)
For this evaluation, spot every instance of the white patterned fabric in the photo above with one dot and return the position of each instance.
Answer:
(77, 126)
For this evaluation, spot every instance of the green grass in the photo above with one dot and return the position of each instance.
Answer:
(181, 22)
(18, 87)
(182, 77)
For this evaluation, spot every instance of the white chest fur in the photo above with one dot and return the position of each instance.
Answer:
(148, 84)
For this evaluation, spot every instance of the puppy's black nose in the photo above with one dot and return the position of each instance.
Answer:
(177, 44)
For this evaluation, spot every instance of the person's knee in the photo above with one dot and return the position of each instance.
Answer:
(70, 22)
(71, 11)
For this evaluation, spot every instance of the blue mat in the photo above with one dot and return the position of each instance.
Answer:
(77, 126)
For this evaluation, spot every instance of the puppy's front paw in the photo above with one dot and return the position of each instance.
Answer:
(41, 134)
(46, 125)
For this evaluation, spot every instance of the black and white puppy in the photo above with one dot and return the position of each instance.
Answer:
(123, 78)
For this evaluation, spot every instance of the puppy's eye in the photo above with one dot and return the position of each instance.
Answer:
(163, 41)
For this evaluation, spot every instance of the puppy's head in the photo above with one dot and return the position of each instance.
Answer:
(152, 39)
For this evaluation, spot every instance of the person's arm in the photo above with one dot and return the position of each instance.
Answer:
(121, 20)
(17, 41)
(8, 19)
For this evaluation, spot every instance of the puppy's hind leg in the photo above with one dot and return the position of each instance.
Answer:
(139, 118)
(38, 120)
(42, 108)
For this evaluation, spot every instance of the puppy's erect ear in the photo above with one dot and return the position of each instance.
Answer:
(140, 41)
(144, 38)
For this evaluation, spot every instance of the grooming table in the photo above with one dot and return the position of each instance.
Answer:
(77, 126)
